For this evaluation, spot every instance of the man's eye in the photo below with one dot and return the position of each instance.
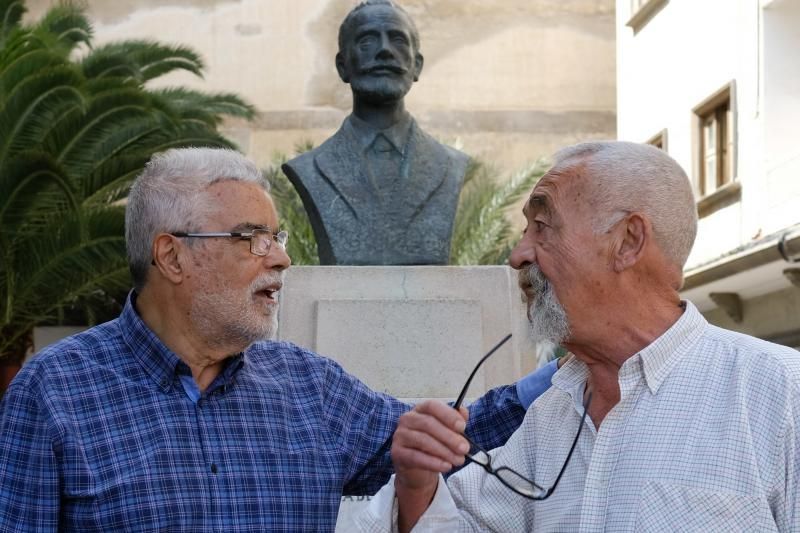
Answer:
(540, 226)
(366, 41)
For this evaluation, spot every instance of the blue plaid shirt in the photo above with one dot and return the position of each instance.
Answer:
(97, 433)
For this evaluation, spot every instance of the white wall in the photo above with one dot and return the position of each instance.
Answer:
(689, 50)
(781, 23)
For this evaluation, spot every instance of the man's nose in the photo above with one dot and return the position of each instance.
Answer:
(385, 47)
(277, 258)
(522, 255)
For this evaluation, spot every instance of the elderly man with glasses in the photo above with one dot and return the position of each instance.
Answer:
(690, 427)
(181, 415)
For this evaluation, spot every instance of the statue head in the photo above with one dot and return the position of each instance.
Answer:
(379, 51)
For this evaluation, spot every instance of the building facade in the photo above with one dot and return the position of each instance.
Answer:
(716, 83)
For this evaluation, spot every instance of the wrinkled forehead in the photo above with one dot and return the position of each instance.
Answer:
(231, 202)
(544, 195)
(377, 16)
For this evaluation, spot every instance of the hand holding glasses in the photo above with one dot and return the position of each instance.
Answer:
(508, 476)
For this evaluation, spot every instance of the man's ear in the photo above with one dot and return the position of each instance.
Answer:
(633, 234)
(418, 62)
(341, 68)
(166, 257)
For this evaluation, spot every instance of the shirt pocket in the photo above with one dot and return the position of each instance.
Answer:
(674, 507)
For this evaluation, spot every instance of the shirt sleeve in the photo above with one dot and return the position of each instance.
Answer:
(442, 515)
(29, 494)
(363, 421)
(786, 508)
(495, 416)
(536, 383)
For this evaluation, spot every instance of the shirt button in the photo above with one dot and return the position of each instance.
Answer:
(213, 468)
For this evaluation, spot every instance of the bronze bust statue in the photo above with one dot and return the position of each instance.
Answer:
(380, 191)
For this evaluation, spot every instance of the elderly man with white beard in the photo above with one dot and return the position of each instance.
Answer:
(181, 414)
(690, 427)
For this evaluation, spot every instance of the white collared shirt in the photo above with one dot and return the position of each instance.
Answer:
(705, 437)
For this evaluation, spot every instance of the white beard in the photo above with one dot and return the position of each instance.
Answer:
(547, 318)
(226, 318)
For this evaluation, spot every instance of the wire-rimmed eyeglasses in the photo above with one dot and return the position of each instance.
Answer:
(508, 476)
(260, 239)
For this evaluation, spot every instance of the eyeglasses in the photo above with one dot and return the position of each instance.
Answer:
(508, 476)
(260, 239)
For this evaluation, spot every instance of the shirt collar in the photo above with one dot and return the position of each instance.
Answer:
(660, 357)
(397, 134)
(158, 361)
(654, 361)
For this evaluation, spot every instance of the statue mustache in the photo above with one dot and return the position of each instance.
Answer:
(397, 69)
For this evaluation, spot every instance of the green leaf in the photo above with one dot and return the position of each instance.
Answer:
(142, 60)
(482, 233)
(68, 24)
(302, 245)
(11, 12)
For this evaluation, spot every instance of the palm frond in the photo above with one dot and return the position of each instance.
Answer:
(302, 245)
(482, 231)
(11, 12)
(75, 142)
(142, 60)
(68, 24)
(34, 105)
(63, 261)
(32, 186)
(188, 100)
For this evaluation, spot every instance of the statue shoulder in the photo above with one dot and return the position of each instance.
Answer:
(424, 139)
(305, 164)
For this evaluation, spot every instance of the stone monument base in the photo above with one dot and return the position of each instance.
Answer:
(413, 332)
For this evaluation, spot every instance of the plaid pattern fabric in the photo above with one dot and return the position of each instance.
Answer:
(98, 434)
(705, 438)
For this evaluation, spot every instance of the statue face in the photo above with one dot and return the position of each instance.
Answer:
(378, 58)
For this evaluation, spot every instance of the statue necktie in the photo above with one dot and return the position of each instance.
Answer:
(383, 162)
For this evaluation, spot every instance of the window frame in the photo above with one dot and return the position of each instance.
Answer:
(642, 11)
(661, 138)
(719, 108)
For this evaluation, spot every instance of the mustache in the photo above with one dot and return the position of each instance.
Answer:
(531, 278)
(271, 281)
(374, 67)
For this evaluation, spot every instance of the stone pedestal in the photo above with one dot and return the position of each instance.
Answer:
(413, 332)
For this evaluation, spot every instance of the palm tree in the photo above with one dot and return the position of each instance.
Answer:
(302, 245)
(482, 232)
(73, 135)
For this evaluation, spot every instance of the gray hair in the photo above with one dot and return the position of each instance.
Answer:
(345, 27)
(630, 177)
(168, 196)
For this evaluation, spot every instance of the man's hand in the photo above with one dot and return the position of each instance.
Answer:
(429, 440)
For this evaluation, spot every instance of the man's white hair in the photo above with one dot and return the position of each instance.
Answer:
(168, 197)
(629, 177)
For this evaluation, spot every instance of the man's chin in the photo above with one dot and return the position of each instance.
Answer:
(545, 331)
(379, 90)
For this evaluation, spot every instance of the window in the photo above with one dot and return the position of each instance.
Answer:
(659, 140)
(715, 152)
(642, 11)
